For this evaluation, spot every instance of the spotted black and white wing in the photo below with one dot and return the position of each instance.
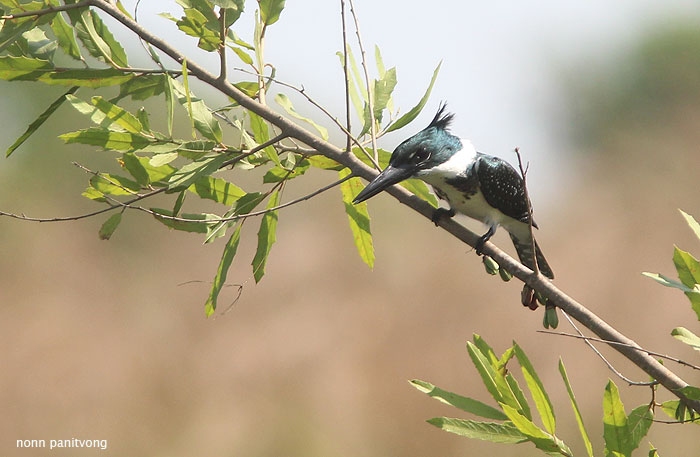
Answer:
(502, 187)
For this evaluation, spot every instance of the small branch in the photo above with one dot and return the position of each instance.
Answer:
(370, 93)
(222, 45)
(49, 10)
(240, 216)
(346, 77)
(617, 343)
(606, 361)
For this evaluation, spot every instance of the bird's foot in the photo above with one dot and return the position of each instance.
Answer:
(441, 213)
(483, 239)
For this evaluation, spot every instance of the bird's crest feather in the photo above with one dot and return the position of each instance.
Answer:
(442, 120)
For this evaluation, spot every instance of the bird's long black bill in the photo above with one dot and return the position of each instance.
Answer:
(386, 178)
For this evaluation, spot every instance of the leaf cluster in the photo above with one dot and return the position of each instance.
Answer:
(205, 164)
(513, 419)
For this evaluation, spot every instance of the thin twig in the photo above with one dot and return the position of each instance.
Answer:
(617, 343)
(49, 10)
(242, 216)
(370, 92)
(605, 360)
(346, 77)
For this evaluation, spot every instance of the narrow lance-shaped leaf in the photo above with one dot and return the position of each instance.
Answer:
(266, 236)
(537, 390)
(118, 115)
(358, 217)
(487, 431)
(540, 438)
(692, 223)
(464, 403)
(107, 139)
(39, 121)
(577, 411)
(416, 110)
(97, 38)
(201, 117)
(222, 271)
(65, 37)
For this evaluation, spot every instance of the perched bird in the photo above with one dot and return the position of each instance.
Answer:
(480, 186)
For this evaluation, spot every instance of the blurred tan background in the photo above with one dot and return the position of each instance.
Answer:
(108, 340)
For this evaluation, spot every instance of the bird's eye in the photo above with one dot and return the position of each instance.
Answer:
(421, 156)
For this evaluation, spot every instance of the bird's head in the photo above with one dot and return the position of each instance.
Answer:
(426, 149)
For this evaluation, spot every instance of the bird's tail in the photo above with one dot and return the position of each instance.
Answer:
(524, 250)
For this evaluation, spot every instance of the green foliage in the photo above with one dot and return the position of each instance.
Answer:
(154, 159)
(688, 269)
(514, 422)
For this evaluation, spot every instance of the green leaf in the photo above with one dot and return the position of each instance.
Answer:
(668, 282)
(244, 56)
(464, 403)
(537, 390)
(118, 115)
(109, 226)
(266, 237)
(107, 139)
(270, 10)
(188, 174)
(692, 392)
(38, 44)
(577, 411)
(383, 88)
(487, 431)
(277, 174)
(65, 37)
(194, 23)
(416, 110)
(114, 185)
(193, 223)
(639, 421)
(97, 38)
(677, 410)
(494, 380)
(421, 190)
(286, 103)
(88, 77)
(653, 451)
(22, 68)
(692, 223)
(540, 438)
(687, 266)
(261, 134)
(615, 428)
(686, 336)
(202, 118)
(222, 271)
(142, 87)
(39, 121)
(217, 189)
(358, 217)
(134, 166)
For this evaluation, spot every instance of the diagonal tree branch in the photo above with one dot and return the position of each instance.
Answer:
(587, 318)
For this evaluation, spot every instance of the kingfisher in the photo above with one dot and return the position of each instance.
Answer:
(483, 187)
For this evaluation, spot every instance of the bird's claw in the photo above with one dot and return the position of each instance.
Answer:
(441, 213)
